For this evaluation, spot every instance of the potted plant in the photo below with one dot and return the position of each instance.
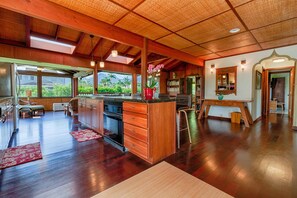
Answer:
(152, 71)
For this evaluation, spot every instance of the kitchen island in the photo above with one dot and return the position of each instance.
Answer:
(147, 128)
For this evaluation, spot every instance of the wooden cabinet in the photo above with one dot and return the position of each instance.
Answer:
(90, 113)
(175, 86)
(150, 129)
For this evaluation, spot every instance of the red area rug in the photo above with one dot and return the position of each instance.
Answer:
(21, 154)
(85, 135)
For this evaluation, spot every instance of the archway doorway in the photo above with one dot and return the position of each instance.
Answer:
(274, 70)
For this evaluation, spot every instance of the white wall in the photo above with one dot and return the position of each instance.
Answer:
(245, 80)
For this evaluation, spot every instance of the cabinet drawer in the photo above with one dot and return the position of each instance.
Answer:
(135, 146)
(135, 132)
(135, 107)
(135, 119)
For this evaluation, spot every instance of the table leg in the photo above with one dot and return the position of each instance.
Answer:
(201, 111)
(244, 116)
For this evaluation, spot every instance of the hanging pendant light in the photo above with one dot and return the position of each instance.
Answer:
(92, 63)
(101, 64)
(114, 53)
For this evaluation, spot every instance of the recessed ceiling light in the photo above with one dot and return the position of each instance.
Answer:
(234, 30)
(278, 60)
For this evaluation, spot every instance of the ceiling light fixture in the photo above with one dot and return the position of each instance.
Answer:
(278, 60)
(92, 63)
(234, 30)
(114, 53)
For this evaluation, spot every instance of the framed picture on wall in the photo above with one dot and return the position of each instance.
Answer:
(258, 80)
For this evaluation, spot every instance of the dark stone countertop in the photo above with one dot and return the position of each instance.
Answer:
(128, 98)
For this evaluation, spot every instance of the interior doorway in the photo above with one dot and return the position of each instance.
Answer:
(279, 97)
(274, 66)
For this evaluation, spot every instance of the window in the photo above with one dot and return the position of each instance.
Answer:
(114, 83)
(139, 83)
(85, 85)
(56, 87)
(27, 82)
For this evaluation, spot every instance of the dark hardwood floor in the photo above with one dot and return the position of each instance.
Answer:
(260, 161)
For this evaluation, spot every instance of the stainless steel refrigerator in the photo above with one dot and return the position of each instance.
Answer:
(8, 88)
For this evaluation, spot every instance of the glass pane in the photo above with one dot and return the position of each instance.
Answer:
(86, 85)
(27, 82)
(139, 83)
(56, 87)
(114, 83)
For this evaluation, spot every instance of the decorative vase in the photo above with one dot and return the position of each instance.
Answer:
(148, 93)
(220, 97)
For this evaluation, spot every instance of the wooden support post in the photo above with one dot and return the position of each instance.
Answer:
(95, 76)
(134, 83)
(144, 65)
(75, 87)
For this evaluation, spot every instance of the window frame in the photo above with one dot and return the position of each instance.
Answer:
(40, 74)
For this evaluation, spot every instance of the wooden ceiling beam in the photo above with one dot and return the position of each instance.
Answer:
(109, 50)
(41, 56)
(80, 39)
(57, 31)
(44, 36)
(11, 42)
(171, 65)
(28, 30)
(62, 16)
(99, 42)
(136, 57)
(127, 50)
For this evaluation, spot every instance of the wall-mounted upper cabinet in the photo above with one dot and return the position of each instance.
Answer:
(226, 80)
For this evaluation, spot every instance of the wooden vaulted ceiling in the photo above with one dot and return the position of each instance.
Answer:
(198, 28)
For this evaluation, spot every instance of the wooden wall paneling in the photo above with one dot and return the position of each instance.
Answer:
(193, 70)
(163, 81)
(12, 26)
(43, 27)
(69, 34)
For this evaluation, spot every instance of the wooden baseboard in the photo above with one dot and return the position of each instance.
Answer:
(219, 118)
(258, 119)
(294, 128)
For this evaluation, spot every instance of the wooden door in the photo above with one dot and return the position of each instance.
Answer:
(278, 91)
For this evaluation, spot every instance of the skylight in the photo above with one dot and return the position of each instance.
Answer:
(119, 59)
(50, 45)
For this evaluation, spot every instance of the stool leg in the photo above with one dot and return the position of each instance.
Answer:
(189, 132)
(178, 129)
